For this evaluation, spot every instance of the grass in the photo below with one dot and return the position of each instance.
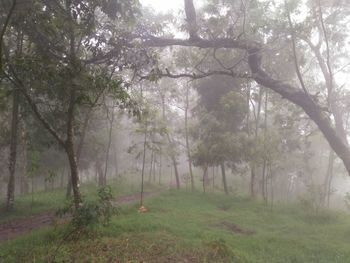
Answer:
(186, 227)
(48, 201)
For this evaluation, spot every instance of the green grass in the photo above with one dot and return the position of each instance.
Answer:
(48, 201)
(186, 227)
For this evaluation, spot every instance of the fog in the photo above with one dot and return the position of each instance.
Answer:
(125, 122)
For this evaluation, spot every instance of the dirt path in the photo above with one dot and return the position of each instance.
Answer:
(18, 227)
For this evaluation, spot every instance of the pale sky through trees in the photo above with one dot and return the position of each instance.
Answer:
(163, 5)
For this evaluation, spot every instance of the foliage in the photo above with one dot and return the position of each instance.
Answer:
(91, 213)
(313, 200)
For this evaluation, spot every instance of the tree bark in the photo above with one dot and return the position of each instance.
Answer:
(70, 150)
(224, 182)
(111, 122)
(24, 175)
(151, 167)
(171, 144)
(264, 183)
(13, 151)
(100, 174)
(74, 173)
(329, 178)
(205, 177)
(187, 140)
(143, 167)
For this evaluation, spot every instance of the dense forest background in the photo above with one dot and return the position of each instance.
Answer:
(98, 90)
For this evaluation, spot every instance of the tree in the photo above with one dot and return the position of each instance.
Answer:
(220, 136)
(254, 50)
(64, 43)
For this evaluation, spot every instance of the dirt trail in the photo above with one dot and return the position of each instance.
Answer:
(17, 227)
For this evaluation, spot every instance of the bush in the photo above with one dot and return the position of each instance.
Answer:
(91, 213)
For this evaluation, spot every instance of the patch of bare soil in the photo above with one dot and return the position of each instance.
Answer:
(18, 227)
(21, 226)
(235, 229)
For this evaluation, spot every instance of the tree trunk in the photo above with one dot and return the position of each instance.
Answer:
(151, 167)
(253, 165)
(99, 173)
(74, 173)
(252, 181)
(205, 177)
(24, 175)
(177, 176)
(13, 151)
(143, 167)
(263, 181)
(70, 150)
(111, 122)
(160, 167)
(187, 140)
(171, 145)
(329, 178)
(263, 185)
(224, 182)
(116, 168)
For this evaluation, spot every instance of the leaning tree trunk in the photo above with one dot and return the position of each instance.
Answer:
(13, 151)
(254, 50)
(307, 103)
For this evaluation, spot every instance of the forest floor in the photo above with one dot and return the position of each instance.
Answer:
(17, 227)
(194, 227)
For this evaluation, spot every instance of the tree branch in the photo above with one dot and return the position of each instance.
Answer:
(3, 30)
(193, 76)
